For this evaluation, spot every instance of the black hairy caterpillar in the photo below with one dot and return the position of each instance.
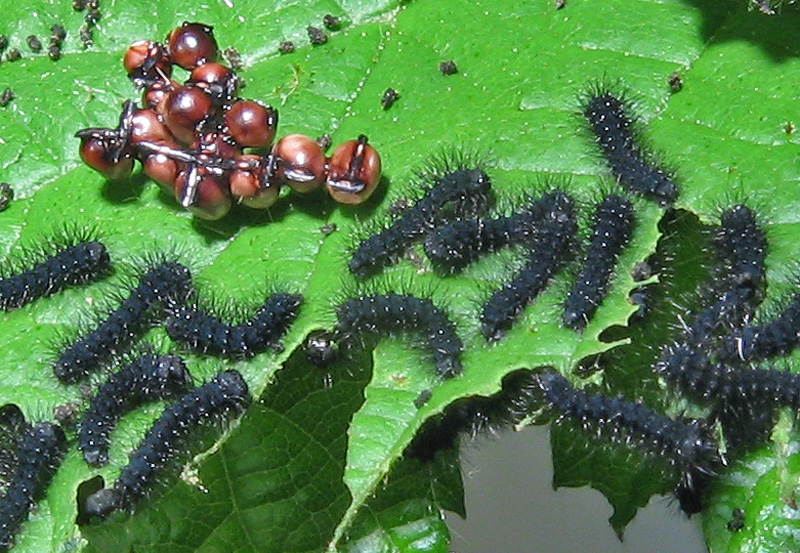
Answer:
(147, 378)
(614, 220)
(688, 445)
(459, 192)
(40, 452)
(382, 314)
(166, 283)
(744, 400)
(457, 244)
(611, 122)
(71, 265)
(200, 331)
(549, 250)
(227, 393)
(698, 365)
(728, 311)
(755, 343)
(742, 246)
(12, 427)
(696, 375)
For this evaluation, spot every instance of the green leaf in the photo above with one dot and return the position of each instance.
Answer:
(317, 460)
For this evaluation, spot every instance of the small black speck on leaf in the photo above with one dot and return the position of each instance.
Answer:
(6, 195)
(317, 36)
(389, 98)
(448, 67)
(675, 82)
(34, 43)
(6, 97)
(324, 141)
(331, 22)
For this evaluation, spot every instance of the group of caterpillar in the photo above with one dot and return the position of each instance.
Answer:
(547, 223)
(546, 226)
(701, 365)
(168, 285)
(226, 393)
(711, 363)
(149, 377)
(164, 286)
(453, 241)
(445, 218)
(717, 361)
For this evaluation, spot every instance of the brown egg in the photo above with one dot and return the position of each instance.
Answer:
(185, 108)
(250, 182)
(252, 124)
(202, 194)
(95, 153)
(192, 44)
(300, 162)
(355, 171)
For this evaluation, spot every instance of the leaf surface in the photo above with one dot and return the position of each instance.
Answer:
(316, 461)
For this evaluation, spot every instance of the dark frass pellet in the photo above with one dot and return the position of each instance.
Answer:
(92, 17)
(641, 271)
(66, 414)
(448, 67)
(324, 141)
(331, 22)
(389, 98)
(423, 398)
(54, 52)
(3, 43)
(6, 97)
(286, 47)
(6, 195)
(34, 43)
(87, 36)
(320, 348)
(316, 35)
(14, 54)
(58, 32)
(736, 523)
(234, 58)
(675, 82)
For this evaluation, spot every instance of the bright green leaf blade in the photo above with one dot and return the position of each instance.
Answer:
(521, 66)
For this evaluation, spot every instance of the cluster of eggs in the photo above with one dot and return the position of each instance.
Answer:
(201, 142)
